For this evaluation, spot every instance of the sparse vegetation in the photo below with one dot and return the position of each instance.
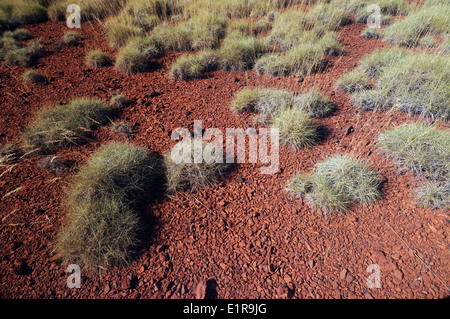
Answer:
(122, 128)
(314, 103)
(72, 38)
(64, 125)
(425, 150)
(18, 57)
(429, 20)
(18, 34)
(353, 81)
(296, 128)
(34, 77)
(35, 48)
(194, 66)
(336, 184)
(103, 225)
(97, 58)
(118, 100)
(182, 172)
(27, 13)
(131, 60)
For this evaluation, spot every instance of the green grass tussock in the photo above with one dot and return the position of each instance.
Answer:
(353, 81)
(103, 225)
(64, 125)
(337, 183)
(97, 58)
(72, 38)
(425, 151)
(296, 128)
(191, 175)
(194, 66)
(34, 77)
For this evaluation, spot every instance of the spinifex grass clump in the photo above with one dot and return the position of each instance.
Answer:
(267, 102)
(34, 77)
(72, 38)
(240, 53)
(375, 63)
(353, 81)
(64, 125)
(120, 33)
(328, 16)
(18, 34)
(303, 60)
(429, 20)
(182, 171)
(412, 83)
(194, 66)
(131, 59)
(425, 150)
(103, 223)
(336, 184)
(97, 58)
(296, 128)
(27, 13)
(314, 103)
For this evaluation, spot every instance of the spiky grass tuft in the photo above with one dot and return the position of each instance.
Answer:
(183, 172)
(97, 58)
(194, 66)
(314, 103)
(64, 125)
(296, 128)
(103, 223)
(34, 77)
(336, 184)
(353, 81)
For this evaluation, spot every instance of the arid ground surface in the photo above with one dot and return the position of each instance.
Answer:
(245, 237)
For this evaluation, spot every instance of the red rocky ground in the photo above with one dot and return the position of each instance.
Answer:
(246, 233)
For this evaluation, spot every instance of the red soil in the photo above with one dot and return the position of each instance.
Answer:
(247, 232)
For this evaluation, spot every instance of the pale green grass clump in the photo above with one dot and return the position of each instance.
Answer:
(240, 54)
(433, 194)
(353, 81)
(296, 128)
(267, 102)
(72, 38)
(375, 63)
(28, 13)
(194, 66)
(60, 126)
(97, 58)
(103, 225)
(120, 33)
(429, 20)
(336, 184)
(303, 60)
(131, 59)
(34, 77)
(418, 85)
(187, 174)
(424, 150)
(314, 103)
(288, 29)
(328, 16)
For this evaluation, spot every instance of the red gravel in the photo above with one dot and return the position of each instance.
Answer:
(247, 232)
